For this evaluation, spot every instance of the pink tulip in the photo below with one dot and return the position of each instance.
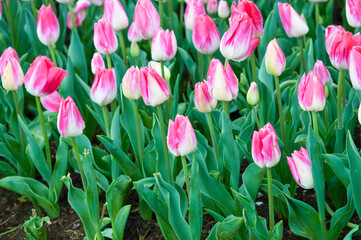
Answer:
(158, 68)
(133, 35)
(300, 167)
(222, 82)
(105, 40)
(223, 9)
(12, 76)
(202, 98)
(104, 88)
(97, 62)
(354, 67)
(212, 6)
(114, 13)
(322, 72)
(193, 10)
(79, 13)
(293, 23)
(253, 94)
(205, 36)
(153, 87)
(70, 121)
(97, 2)
(353, 13)
(311, 93)
(265, 149)
(340, 50)
(275, 60)
(164, 45)
(1, 12)
(47, 27)
(8, 53)
(181, 138)
(131, 83)
(51, 102)
(330, 34)
(43, 77)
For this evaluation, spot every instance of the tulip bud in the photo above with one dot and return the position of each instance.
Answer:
(114, 13)
(164, 45)
(70, 121)
(43, 77)
(8, 53)
(181, 138)
(293, 23)
(134, 49)
(133, 35)
(253, 94)
(47, 27)
(105, 40)
(330, 34)
(326, 91)
(222, 82)
(223, 9)
(340, 49)
(275, 60)
(202, 98)
(104, 88)
(311, 93)
(51, 102)
(354, 67)
(322, 72)
(12, 76)
(65, 1)
(265, 149)
(353, 13)
(359, 114)
(153, 87)
(212, 6)
(79, 13)
(205, 35)
(131, 83)
(158, 68)
(97, 62)
(194, 9)
(300, 167)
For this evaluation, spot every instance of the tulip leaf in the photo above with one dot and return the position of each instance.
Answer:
(356, 231)
(6, 169)
(195, 203)
(77, 56)
(190, 64)
(60, 167)
(339, 168)
(252, 178)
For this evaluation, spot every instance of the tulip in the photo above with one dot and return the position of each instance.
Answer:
(340, 50)
(164, 45)
(104, 88)
(153, 87)
(223, 9)
(203, 100)
(105, 40)
(1, 12)
(133, 35)
(181, 138)
(353, 13)
(51, 102)
(70, 121)
(12, 76)
(134, 49)
(47, 27)
(97, 62)
(43, 78)
(6, 55)
(65, 1)
(253, 94)
(97, 2)
(300, 167)
(330, 34)
(265, 149)
(131, 83)
(318, 1)
(359, 114)
(205, 35)
(293, 24)
(322, 72)
(114, 13)
(354, 66)
(311, 93)
(79, 13)
(194, 9)
(212, 6)
(158, 68)
(275, 60)
(222, 82)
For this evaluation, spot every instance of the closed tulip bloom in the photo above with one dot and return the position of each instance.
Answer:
(265, 149)
(105, 40)
(79, 13)
(223, 9)
(158, 68)
(275, 60)
(340, 50)
(202, 98)
(47, 27)
(145, 21)
(330, 34)
(194, 9)
(114, 13)
(43, 77)
(5, 56)
(104, 88)
(181, 138)
(133, 35)
(222, 82)
(97, 62)
(253, 94)
(153, 87)
(164, 45)
(322, 72)
(353, 13)
(65, 1)
(70, 121)
(300, 167)
(205, 36)
(12, 76)
(293, 24)
(311, 93)
(131, 83)
(354, 67)
(51, 102)
(212, 6)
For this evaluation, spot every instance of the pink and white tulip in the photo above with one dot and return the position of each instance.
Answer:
(330, 34)
(97, 2)
(194, 9)
(353, 13)
(158, 68)
(12, 76)
(354, 67)
(253, 94)
(164, 45)
(70, 122)
(181, 138)
(131, 83)
(293, 24)
(153, 87)
(359, 114)
(205, 36)
(104, 88)
(311, 93)
(47, 27)
(340, 49)
(212, 6)
(65, 1)
(97, 62)
(51, 102)
(275, 60)
(322, 72)
(202, 98)
(223, 9)
(105, 40)
(265, 149)
(5, 56)
(300, 166)
(79, 13)
(114, 13)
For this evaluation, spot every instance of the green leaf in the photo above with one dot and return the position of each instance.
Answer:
(60, 167)
(120, 221)
(6, 169)
(229, 227)
(339, 168)
(77, 56)
(195, 204)
(252, 178)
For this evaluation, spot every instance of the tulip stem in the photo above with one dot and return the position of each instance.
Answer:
(9, 19)
(170, 90)
(21, 132)
(72, 16)
(109, 61)
(78, 160)
(181, 18)
(52, 54)
(340, 89)
(256, 117)
(186, 174)
(122, 46)
(170, 6)
(302, 55)
(270, 201)
(326, 117)
(213, 137)
(329, 210)
(161, 10)
(253, 66)
(317, 11)
(35, 13)
(46, 141)
(280, 112)
(106, 123)
(225, 105)
(165, 149)
(139, 136)
(200, 66)
(315, 123)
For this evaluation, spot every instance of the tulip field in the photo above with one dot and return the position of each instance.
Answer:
(173, 119)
